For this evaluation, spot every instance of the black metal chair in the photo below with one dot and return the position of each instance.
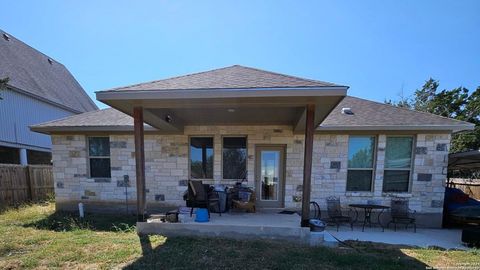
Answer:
(201, 196)
(401, 214)
(335, 212)
(315, 212)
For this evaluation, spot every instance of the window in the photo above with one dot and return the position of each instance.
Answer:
(360, 163)
(398, 164)
(234, 158)
(99, 157)
(201, 158)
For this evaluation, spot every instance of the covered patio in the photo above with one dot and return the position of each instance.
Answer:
(169, 108)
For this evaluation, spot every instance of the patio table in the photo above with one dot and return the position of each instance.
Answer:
(368, 208)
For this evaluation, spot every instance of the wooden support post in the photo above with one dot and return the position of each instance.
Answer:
(139, 161)
(307, 164)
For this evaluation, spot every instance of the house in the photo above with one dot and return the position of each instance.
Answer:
(293, 139)
(39, 89)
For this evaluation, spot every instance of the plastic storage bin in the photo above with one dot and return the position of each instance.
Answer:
(201, 215)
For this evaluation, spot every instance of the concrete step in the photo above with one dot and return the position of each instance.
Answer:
(294, 234)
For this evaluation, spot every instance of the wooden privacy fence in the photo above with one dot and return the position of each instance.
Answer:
(19, 184)
(469, 186)
(473, 190)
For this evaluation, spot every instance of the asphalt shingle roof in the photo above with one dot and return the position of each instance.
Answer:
(371, 113)
(233, 77)
(105, 118)
(366, 113)
(31, 71)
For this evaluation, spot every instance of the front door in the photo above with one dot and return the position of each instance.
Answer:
(270, 176)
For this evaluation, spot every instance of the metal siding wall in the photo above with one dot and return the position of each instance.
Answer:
(18, 112)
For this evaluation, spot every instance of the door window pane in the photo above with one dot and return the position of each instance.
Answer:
(360, 163)
(201, 158)
(270, 172)
(234, 158)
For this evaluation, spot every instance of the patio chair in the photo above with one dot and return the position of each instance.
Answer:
(246, 203)
(315, 212)
(335, 212)
(401, 214)
(200, 196)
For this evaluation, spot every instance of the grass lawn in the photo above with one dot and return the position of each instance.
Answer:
(36, 237)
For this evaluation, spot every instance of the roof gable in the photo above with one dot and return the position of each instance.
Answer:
(371, 115)
(37, 74)
(233, 77)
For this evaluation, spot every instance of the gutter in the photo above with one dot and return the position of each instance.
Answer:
(220, 93)
(453, 128)
(55, 129)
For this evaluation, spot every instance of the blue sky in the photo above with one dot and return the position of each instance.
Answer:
(377, 48)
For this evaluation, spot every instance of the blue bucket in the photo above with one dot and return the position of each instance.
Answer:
(201, 215)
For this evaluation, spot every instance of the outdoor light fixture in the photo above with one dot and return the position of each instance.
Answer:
(168, 118)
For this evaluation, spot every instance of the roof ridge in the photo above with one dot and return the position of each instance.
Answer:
(412, 110)
(290, 76)
(18, 40)
(174, 77)
(222, 68)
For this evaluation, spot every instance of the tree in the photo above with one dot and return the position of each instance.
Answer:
(3, 84)
(425, 95)
(403, 102)
(457, 103)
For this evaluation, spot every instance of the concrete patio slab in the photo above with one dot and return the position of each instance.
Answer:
(444, 238)
(272, 225)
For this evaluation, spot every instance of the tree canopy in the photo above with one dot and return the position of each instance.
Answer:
(458, 103)
(3, 84)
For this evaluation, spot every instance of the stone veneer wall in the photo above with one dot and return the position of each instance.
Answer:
(428, 178)
(166, 165)
(166, 168)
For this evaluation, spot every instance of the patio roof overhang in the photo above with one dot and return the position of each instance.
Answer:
(171, 110)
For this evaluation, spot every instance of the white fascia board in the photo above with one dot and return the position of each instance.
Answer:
(453, 128)
(221, 93)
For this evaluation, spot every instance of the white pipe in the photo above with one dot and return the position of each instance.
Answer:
(80, 210)
(23, 156)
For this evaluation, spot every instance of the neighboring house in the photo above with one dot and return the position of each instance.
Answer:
(39, 89)
(232, 123)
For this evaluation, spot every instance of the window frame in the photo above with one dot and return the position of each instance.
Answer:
(246, 155)
(190, 154)
(98, 157)
(374, 162)
(410, 169)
